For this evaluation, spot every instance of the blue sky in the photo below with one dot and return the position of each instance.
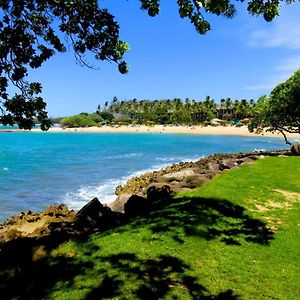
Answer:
(240, 58)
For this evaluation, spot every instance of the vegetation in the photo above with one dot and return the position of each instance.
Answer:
(281, 111)
(31, 32)
(82, 120)
(233, 238)
(169, 111)
(54, 120)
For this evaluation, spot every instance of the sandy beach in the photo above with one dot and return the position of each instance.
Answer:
(208, 130)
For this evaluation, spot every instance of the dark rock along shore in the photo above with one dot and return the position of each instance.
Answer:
(134, 198)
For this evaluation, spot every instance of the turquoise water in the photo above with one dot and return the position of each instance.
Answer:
(39, 169)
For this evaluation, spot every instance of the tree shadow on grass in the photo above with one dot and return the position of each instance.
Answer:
(154, 278)
(26, 275)
(207, 218)
(168, 276)
(164, 276)
(26, 271)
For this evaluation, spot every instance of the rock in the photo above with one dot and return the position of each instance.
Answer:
(118, 204)
(246, 160)
(212, 166)
(227, 164)
(295, 149)
(179, 175)
(181, 189)
(253, 157)
(118, 190)
(194, 181)
(60, 211)
(89, 216)
(111, 219)
(96, 217)
(155, 193)
(158, 185)
(10, 234)
(32, 225)
(137, 206)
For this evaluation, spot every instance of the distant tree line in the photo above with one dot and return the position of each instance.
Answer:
(167, 111)
(280, 112)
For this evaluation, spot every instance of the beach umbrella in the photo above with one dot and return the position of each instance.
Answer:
(216, 120)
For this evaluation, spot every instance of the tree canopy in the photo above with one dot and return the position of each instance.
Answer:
(31, 32)
(281, 111)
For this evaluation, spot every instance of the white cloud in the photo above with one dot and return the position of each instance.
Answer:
(283, 32)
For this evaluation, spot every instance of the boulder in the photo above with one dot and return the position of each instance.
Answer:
(227, 164)
(181, 189)
(246, 160)
(137, 206)
(111, 219)
(90, 214)
(253, 157)
(94, 217)
(118, 204)
(295, 149)
(155, 193)
(213, 166)
(179, 175)
(192, 182)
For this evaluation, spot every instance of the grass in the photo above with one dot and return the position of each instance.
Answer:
(236, 237)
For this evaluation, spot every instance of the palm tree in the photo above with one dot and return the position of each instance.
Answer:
(221, 108)
(229, 107)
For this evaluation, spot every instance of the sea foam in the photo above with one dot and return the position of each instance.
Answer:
(105, 191)
(124, 156)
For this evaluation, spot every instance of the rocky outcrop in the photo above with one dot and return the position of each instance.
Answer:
(295, 149)
(62, 222)
(188, 175)
(31, 224)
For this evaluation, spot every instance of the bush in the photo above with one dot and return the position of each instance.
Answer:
(81, 120)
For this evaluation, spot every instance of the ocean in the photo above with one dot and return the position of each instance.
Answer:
(39, 169)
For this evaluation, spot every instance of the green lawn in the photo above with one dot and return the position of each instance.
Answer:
(237, 237)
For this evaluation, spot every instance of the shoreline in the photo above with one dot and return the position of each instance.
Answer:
(175, 178)
(162, 129)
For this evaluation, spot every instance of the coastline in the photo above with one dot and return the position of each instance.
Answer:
(144, 189)
(161, 129)
(120, 157)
